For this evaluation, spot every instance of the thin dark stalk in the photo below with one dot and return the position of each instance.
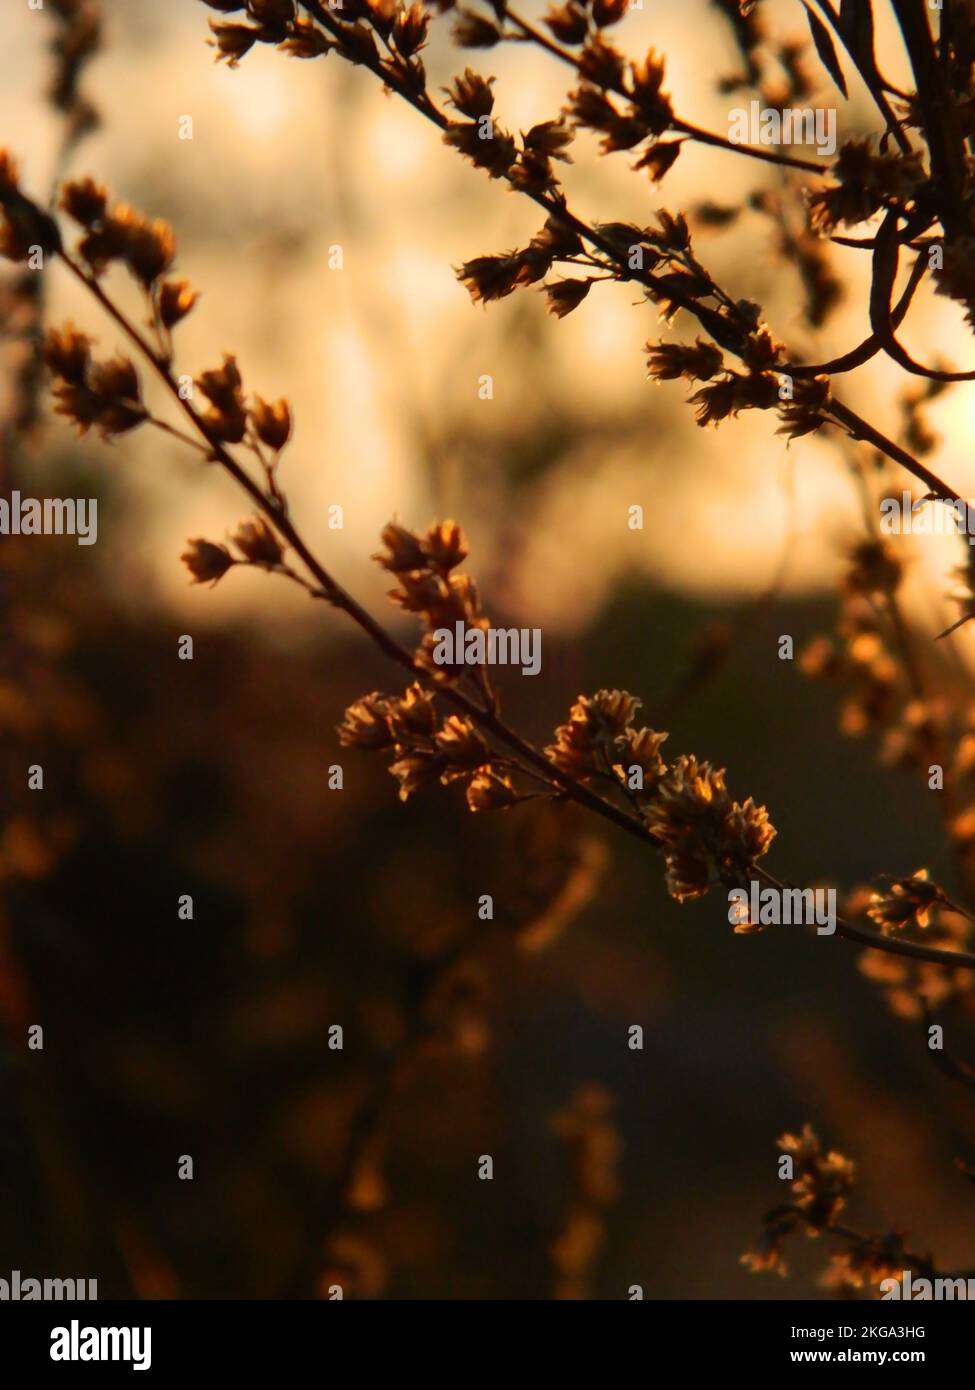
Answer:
(721, 142)
(869, 73)
(945, 142)
(868, 434)
(693, 132)
(893, 946)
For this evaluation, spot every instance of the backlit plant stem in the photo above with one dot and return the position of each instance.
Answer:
(487, 719)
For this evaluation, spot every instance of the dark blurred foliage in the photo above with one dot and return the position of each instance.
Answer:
(315, 907)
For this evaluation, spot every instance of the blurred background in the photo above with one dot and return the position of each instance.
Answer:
(315, 908)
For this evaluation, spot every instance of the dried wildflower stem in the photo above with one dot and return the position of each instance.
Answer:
(960, 960)
(336, 595)
(171, 430)
(487, 719)
(556, 206)
(866, 433)
(709, 137)
(821, 1182)
(693, 132)
(894, 946)
(919, 1264)
(419, 100)
(553, 201)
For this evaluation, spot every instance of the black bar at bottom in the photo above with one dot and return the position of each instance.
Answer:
(65, 1340)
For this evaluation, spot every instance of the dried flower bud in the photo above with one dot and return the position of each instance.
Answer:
(821, 659)
(708, 838)
(404, 551)
(905, 902)
(568, 23)
(416, 771)
(102, 244)
(653, 104)
(673, 231)
(366, 724)
(84, 200)
(868, 1264)
(358, 44)
(413, 716)
(272, 422)
(463, 748)
(106, 394)
(606, 12)
(273, 14)
(258, 544)
(602, 64)
(233, 41)
(67, 353)
(77, 404)
(471, 94)
(148, 248)
(444, 546)
(471, 31)
(306, 40)
(116, 380)
(222, 385)
(176, 299)
(410, 30)
(805, 413)
(550, 138)
(765, 1256)
(557, 240)
(591, 108)
(566, 295)
(489, 790)
(668, 361)
(495, 152)
(587, 743)
(659, 158)
(422, 592)
(490, 277)
(715, 402)
(98, 402)
(761, 352)
(533, 173)
(207, 562)
(381, 14)
(866, 181)
(228, 426)
(641, 748)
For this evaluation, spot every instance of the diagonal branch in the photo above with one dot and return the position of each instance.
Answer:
(274, 511)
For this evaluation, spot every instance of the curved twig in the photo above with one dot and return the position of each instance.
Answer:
(872, 345)
(886, 254)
